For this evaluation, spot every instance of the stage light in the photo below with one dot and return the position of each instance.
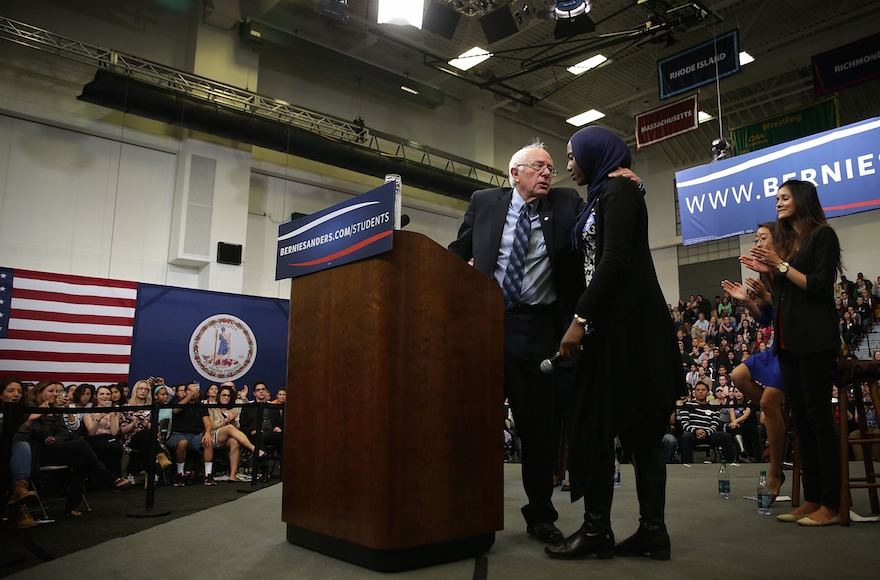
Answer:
(471, 58)
(588, 64)
(572, 8)
(401, 12)
(585, 117)
(745, 58)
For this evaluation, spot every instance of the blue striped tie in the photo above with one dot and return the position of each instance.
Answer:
(516, 267)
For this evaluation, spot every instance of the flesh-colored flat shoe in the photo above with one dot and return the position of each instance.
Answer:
(792, 517)
(806, 521)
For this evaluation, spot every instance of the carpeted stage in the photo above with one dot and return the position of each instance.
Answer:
(245, 538)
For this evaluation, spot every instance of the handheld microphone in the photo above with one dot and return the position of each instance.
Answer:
(548, 365)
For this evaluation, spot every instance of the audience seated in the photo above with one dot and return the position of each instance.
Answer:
(83, 398)
(191, 430)
(225, 432)
(700, 327)
(270, 424)
(701, 423)
(871, 421)
(19, 463)
(102, 432)
(54, 444)
(135, 427)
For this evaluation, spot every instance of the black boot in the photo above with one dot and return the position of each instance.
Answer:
(650, 540)
(594, 537)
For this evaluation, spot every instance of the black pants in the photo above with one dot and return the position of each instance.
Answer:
(79, 456)
(109, 450)
(643, 444)
(529, 338)
(269, 438)
(808, 380)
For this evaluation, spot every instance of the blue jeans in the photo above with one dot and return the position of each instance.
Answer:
(20, 461)
(688, 440)
(670, 444)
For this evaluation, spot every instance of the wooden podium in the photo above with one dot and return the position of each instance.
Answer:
(393, 450)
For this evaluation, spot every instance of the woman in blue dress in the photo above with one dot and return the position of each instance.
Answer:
(758, 377)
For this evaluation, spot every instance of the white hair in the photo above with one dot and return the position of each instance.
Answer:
(521, 157)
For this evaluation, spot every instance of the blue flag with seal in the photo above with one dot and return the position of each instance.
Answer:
(732, 196)
(347, 232)
(182, 334)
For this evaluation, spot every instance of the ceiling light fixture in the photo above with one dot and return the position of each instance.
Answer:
(745, 58)
(409, 90)
(572, 8)
(588, 64)
(703, 116)
(471, 58)
(585, 117)
(401, 12)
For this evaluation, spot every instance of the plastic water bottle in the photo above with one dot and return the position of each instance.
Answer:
(764, 508)
(723, 481)
(616, 473)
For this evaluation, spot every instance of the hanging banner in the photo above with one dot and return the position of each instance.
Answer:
(347, 232)
(847, 65)
(696, 66)
(792, 125)
(730, 197)
(665, 122)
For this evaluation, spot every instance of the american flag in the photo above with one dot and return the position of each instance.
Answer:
(71, 329)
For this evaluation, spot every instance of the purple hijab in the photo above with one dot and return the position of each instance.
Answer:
(597, 151)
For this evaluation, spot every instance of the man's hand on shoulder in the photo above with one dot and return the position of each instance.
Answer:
(626, 173)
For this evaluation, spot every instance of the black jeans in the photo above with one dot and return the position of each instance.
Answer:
(808, 379)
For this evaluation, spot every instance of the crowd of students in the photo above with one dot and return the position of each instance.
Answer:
(711, 346)
(104, 427)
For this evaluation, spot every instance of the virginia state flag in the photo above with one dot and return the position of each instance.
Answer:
(209, 337)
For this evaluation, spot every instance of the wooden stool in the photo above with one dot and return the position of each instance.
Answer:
(856, 372)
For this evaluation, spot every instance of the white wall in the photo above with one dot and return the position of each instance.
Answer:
(90, 191)
(76, 203)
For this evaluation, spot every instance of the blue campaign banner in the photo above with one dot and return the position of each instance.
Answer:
(182, 335)
(353, 230)
(696, 66)
(730, 197)
(847, 65)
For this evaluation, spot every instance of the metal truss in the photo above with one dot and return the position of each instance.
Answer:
(243, 101)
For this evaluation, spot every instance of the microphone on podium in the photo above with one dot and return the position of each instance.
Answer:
(548, 365)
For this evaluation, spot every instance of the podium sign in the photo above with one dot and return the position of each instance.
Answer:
(353, 230)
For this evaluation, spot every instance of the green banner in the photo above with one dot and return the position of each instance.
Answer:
(794, 124)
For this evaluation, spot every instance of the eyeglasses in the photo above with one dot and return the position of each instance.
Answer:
(540, 167)
(225, 395)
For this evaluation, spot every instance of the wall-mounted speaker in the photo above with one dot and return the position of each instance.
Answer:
(228, 253)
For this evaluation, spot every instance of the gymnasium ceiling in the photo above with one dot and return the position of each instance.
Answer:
(528, 74)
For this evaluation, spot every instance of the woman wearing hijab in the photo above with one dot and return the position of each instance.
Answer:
(622, 293)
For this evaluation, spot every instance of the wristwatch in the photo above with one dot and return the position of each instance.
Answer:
(783, 267)
(581, 320)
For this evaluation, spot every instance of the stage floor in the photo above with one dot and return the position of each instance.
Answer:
(711, 537)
